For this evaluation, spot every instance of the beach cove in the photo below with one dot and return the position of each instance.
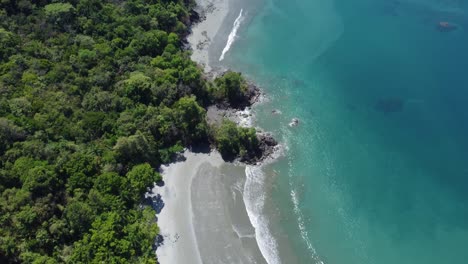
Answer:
(203, 203)
(204, 198)
(374, 171)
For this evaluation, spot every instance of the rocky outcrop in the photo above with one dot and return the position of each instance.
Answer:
(238, 111)
(266, 147)
(253, 94)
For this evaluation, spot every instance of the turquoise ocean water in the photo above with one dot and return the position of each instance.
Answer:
(377, 170)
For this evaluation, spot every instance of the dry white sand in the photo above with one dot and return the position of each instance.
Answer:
(175, 218)
(204, 219)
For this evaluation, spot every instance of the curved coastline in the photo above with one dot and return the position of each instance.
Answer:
(213, 14)
(254, 191)
(208, 199)
(203, 202)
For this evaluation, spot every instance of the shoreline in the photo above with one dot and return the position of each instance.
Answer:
(202, 202)
(179, 244)
(209, 201)
(213, 14)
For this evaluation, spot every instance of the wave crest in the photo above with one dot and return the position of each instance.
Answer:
(232, 35)
(254, 200)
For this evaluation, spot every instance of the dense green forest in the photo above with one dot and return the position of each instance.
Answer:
(94, 96)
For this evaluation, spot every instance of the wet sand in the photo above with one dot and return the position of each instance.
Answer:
(213, 13)
(204, 218)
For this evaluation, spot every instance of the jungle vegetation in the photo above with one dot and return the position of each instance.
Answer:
(94, 96)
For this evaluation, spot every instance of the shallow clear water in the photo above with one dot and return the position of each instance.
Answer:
(377, 170)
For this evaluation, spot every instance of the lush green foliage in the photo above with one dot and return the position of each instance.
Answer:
(233, 141)
(94, 95)
(231, 87)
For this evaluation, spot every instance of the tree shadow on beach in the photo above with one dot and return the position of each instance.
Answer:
(156, 202)
(201, 148)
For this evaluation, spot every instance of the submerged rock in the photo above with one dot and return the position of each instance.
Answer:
(294, 122)
(445, 26)
(389, 105)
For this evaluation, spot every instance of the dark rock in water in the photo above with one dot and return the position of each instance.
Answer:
(298, 83)
(267, 144)
(253, 93)
(389, 105)
(294, 122)
(444, 26)
(265, 149)
(267, 139)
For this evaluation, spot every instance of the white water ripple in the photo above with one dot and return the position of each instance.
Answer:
(232, 35)
(254, 200)
(288, 136)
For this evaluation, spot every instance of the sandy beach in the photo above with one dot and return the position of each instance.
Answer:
(204, 218)
(213, 14)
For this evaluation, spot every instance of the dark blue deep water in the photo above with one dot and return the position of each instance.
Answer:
(377, 170)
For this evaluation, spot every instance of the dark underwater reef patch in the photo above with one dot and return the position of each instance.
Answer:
(389, 105)
(445, 26)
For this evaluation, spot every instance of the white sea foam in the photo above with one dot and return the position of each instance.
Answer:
(232, 35)
(254, 199)
(295, 200)
(254, 196)
(302, 229)
(244, 117)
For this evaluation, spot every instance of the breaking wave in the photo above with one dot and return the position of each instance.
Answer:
(232, 35)
(254, 199)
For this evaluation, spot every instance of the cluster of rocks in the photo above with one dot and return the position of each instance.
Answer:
(253, 93)
(267, 145)
(238, 114)
(202, 44)
(266, 148)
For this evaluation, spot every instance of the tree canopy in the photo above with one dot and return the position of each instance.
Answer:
(94, 96)
(233, 141)
(231, 87)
